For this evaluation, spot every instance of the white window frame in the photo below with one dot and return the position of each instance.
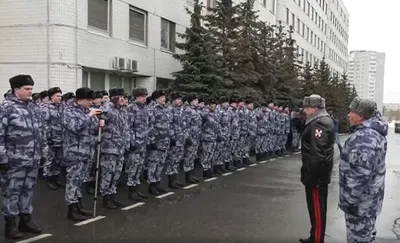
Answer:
(109, 18)
(171, 47)
(132, 8)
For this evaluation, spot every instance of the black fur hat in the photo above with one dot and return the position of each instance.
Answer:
(136, 92)
(21, 80)
(116, 92)
(98, 95)
(175, 95)
(68, 96)
(53, 91)
(43, 94)
(192, 97)
(157, 94)
(223, 99)
(84, 93)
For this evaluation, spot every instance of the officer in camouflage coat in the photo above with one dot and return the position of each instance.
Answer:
(243, 132)
(177, 149)
(252, 131)
(115, 142)
(51, 112)
(210, 128)
(362, 171)
(79, 127)
(192, 121)
(159, 141)
(235, 136)
(138, 123)
(223, 150)
(263, 132)
(23, 147)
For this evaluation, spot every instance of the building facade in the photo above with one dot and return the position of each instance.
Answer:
(130, 43)
(366, 73)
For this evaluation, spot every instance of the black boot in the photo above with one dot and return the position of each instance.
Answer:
(259, 157)
(228, 167)
(26, 225)
(82, 210)
(207, 174)
(108, 202)
(52, 182)
(132, 195)
(90, 187)
(180, 184)
(246, 161)
(153, 189)
(116, 202)
(73, 213)
(194, 178)
(172, 182)
(189, 177)
(222, 169)
(11, 230)
(141, 194)
(160, 189)
(216, 170)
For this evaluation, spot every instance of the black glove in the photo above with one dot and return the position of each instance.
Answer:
(172, 143)
(42, 161)
(4, 167)
(152, 146)
(189, 143)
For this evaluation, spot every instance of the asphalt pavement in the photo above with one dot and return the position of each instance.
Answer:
(262, 203)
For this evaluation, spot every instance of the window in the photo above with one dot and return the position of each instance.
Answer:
(271, 6)
(167, 35)
(304, 6)
(302, 31)
(127, 82)
(137, 25)
(298, 25)
(85, 79)
(287, 16)
(308, 9)
(163, 83)
(265, 3)
(97, 81)
(293, 20)
(98, 14)
(115, 81)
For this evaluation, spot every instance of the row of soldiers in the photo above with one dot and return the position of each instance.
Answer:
(143, 134)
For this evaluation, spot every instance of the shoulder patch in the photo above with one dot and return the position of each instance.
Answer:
(318, 133)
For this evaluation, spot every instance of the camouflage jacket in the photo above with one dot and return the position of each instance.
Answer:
(263, 123)
(52, 116)
(159, 122)
(224, 120)
(78, 132)
(243, 122)
(252, 116)
(210, 126)
(177, 125)
(192, 119)
(235, 129)
(138, 122)
(362, 169)
(22, 133)
(115, 136)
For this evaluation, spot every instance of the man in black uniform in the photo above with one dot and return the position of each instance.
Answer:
(317, 158)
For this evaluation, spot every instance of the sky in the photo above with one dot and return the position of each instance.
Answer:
(374, 26)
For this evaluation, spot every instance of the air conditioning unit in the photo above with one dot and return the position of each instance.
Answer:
(119, 63)
(133, 66)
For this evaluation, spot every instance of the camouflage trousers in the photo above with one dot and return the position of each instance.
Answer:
(134, 166)
(90, 171)
(250, 144)
(190, 155)
(146, 160)
(296, 139)
(74, 179)
(207, 154)
(174, 156)
(156, 162)
(111, 168)
(243, 146)
(360, 229)
(261, 144)
(17, 185)
(53, 162)
(222, 153)
(275, 142)
(235, 149)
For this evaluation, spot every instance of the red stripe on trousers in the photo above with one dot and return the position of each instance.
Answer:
(317, 215)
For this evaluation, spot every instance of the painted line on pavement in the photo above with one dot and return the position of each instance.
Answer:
(211, 179)
(133, 206)
(36, 238)
(190, 186)
(165, 195)
(264, 161)
(226, 174)
(287, 155)
(88, 221)
(240, 169)
(252, 165)
(272, 159)
(297, 152)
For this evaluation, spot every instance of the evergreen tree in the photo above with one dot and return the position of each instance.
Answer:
(200, 63)
(322, 76)
(307, 80)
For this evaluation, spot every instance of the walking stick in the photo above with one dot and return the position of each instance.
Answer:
(97, 172)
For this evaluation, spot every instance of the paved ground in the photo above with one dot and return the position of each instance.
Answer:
(264, 203)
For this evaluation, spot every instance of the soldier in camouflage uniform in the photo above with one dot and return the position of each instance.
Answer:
(115, 141)
(235, 136)
(44, 98)
(51, 112)
(201, 108)
(79, 127)
(192, 121)
(252, 131)
(362, 171)
(210, 128)
(159, 141)
(223, 150)
(177, 149)
(243, 133)
(262, 132)
(138, 122)
(23, 147)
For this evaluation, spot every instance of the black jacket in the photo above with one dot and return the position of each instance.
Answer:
(317, 146)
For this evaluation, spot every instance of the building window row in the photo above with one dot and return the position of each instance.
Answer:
(339, 27)
(99, 17)
(268, 4)
(337, 59)
(304, 56)
(323, 5)
(313, 14)
(336, 41)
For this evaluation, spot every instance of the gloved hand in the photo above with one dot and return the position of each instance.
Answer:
(152, 146)
(42, 161)
(4, 167)
(189, 142)
(172, 142)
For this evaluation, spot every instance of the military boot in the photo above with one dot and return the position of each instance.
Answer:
(180, 184)
(116, 202)
(73, 213)
(132, 195)
(26, 225)
(153, 189)
(228, 167)
(259, 157)
(189, 177)
(52, 182)
(82, 210)
(216, 170)
(207, 174)
(108, 202)
(246, 161)
(90, 187)
(160, 189)
(222, 169)
(172, 182)
(11, 230)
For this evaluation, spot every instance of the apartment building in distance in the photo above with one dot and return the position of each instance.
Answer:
(367, 73)
(129, 43)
